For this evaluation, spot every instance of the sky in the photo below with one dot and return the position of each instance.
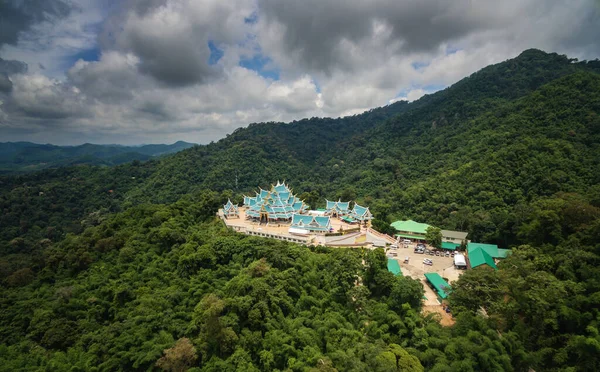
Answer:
(159, 71)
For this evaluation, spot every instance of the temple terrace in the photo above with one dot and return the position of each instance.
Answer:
(277, 212)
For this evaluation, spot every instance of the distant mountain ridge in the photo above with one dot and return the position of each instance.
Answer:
(20, 157)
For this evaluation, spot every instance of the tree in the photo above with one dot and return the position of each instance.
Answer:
(179, 358)
(433, 235)
(375, 264)
(383, 227)
(476, 288)
(406, 290)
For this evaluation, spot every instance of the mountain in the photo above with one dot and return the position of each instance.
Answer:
(505, 136)
(107, 267)
(19, 157)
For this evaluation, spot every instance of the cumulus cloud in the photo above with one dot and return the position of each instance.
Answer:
(8, 68)
(17, 16)
(165, 70)
(41, 97)
(171, 38)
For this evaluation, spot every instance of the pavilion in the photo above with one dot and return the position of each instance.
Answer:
(230, 210)
(304, 224)
(337, 209)
(360, 214)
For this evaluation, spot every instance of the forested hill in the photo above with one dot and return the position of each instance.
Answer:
(19, 157)
(125, 267)
(503, 137)
(497, 140)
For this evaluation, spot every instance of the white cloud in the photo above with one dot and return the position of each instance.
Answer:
(154, 83)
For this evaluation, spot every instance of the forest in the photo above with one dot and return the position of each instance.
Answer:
(22, 157)
(126, 267)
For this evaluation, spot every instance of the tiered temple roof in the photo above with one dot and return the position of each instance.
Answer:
(338, 208)
(279, 203)
(311, 223)
(230, 210)
(361, 213)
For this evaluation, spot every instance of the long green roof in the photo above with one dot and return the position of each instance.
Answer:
(450, 246)
(479, 256)
(393, 267)
(410, 226)
(411, 236)
(502, 253)
(441, 286)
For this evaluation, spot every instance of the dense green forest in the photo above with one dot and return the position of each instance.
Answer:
(125, 267)
(21, 157)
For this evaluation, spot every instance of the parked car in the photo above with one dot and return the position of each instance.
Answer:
(419, 250)
(427, 261)
(447, 254)
(437, 253)
(393, 246)
(406, 259)
(421, 245)
(431, 253)
(406, 241)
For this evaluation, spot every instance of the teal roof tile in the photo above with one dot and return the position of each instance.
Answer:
(478, 257)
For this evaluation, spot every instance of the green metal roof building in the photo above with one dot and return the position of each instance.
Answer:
(479, 256)
(410, 229)
(439, 284)
(481, 253)
(394, 267)
(450, 246)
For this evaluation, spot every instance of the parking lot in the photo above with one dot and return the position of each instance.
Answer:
(416, 268)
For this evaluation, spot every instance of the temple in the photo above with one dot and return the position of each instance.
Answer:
(360, 214)
(230, 210)
(337, 209)
(304, 224)
(276, 205)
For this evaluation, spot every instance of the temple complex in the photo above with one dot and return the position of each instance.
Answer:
(278, 213)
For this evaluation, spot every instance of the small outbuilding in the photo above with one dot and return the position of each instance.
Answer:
(479, 257)
(438, 283)
(485, 254)
(454, 237)
(394, 267)
(460, 262)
